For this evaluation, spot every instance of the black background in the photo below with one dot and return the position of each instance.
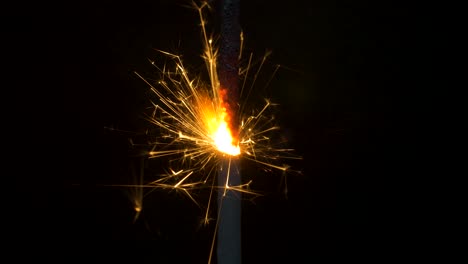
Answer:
(346, 93)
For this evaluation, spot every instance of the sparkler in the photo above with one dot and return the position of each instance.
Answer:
(229, 216)
(202, 129)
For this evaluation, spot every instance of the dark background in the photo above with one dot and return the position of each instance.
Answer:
(346, 93)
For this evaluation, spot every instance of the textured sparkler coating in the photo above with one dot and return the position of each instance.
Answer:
(230, 47)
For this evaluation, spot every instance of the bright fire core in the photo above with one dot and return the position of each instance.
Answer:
(223, 139)
(219, 131)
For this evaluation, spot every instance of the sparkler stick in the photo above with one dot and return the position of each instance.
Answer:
(229, 201)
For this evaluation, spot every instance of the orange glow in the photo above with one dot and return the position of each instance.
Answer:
(218, 127)
(223, 139)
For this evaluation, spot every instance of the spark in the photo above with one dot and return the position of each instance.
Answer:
(192, 126)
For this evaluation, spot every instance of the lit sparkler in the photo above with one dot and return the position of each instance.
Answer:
(198, 131)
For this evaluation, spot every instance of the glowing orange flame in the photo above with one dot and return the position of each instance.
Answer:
(218, 127)
(223, 138)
